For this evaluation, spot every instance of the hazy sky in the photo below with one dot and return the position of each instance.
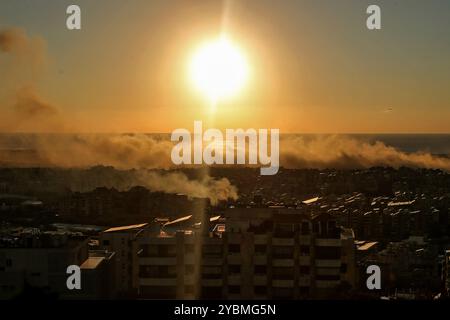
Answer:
(314, 66)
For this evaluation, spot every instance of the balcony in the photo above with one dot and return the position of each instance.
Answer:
(283, 255)
(328, 242)
(212, 261)
(328, 271)
(305, 240)
(283, 262)
(304, 281)
(155, 240)
(235, 258)
(260, 259)
(327, 284)
(189, 280)
(189, 258)
(234, 238)
(212, 282)
(234, 280)
(157, 261)
(260, 238)
(328, 263)
(283, 241)
(260, 280)
(283, 283)
(165, 282)
(304, 260)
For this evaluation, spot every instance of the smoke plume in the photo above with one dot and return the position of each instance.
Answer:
(176, 182)
(344, 152)
(142, 151)
(139, 152)
(155, 180)
(23, 48)
(30, 104)
(22, 60)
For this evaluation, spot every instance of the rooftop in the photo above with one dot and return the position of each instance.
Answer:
(182, 219)
(400, 203)
(92, 262)
(367, 246)
(127, 228)
(312, 200)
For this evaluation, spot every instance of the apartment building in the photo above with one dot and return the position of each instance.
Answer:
(123, 241)
(259, 253)
(39, 260)
(98, 276)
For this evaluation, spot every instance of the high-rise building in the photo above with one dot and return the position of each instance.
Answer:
(123, 241)
(258, 253)
(38, 261)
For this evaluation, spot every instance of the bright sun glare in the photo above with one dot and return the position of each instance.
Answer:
(218, 69)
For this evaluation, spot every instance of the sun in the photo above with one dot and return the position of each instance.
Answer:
(218, 69)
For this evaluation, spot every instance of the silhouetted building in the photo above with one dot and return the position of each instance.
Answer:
(39, 260)
(258, 253)
(123, 241)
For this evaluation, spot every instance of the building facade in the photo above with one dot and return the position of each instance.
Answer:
(261, 253)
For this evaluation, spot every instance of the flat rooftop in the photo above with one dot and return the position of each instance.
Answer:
(367, 246)
(92, 263)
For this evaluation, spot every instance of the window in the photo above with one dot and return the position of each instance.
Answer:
(189, 269)
(234, 289)
(304, 291)
(305, 228)
(189, 289)
(260, 269)
(328, 253)
(260, 249)
(283, 273)
(283, 293)
(304, 250)
(234, 248)
(212, 250)
(331, 225)
(284, 230)
(167, 251)
(260, 290)
(304, 270)
(328, 277)
(189, 248)
(283, 252)
(234, 269)
(316, 227)
(211, 293)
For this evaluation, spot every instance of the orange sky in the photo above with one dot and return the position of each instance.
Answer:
(313, 67)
